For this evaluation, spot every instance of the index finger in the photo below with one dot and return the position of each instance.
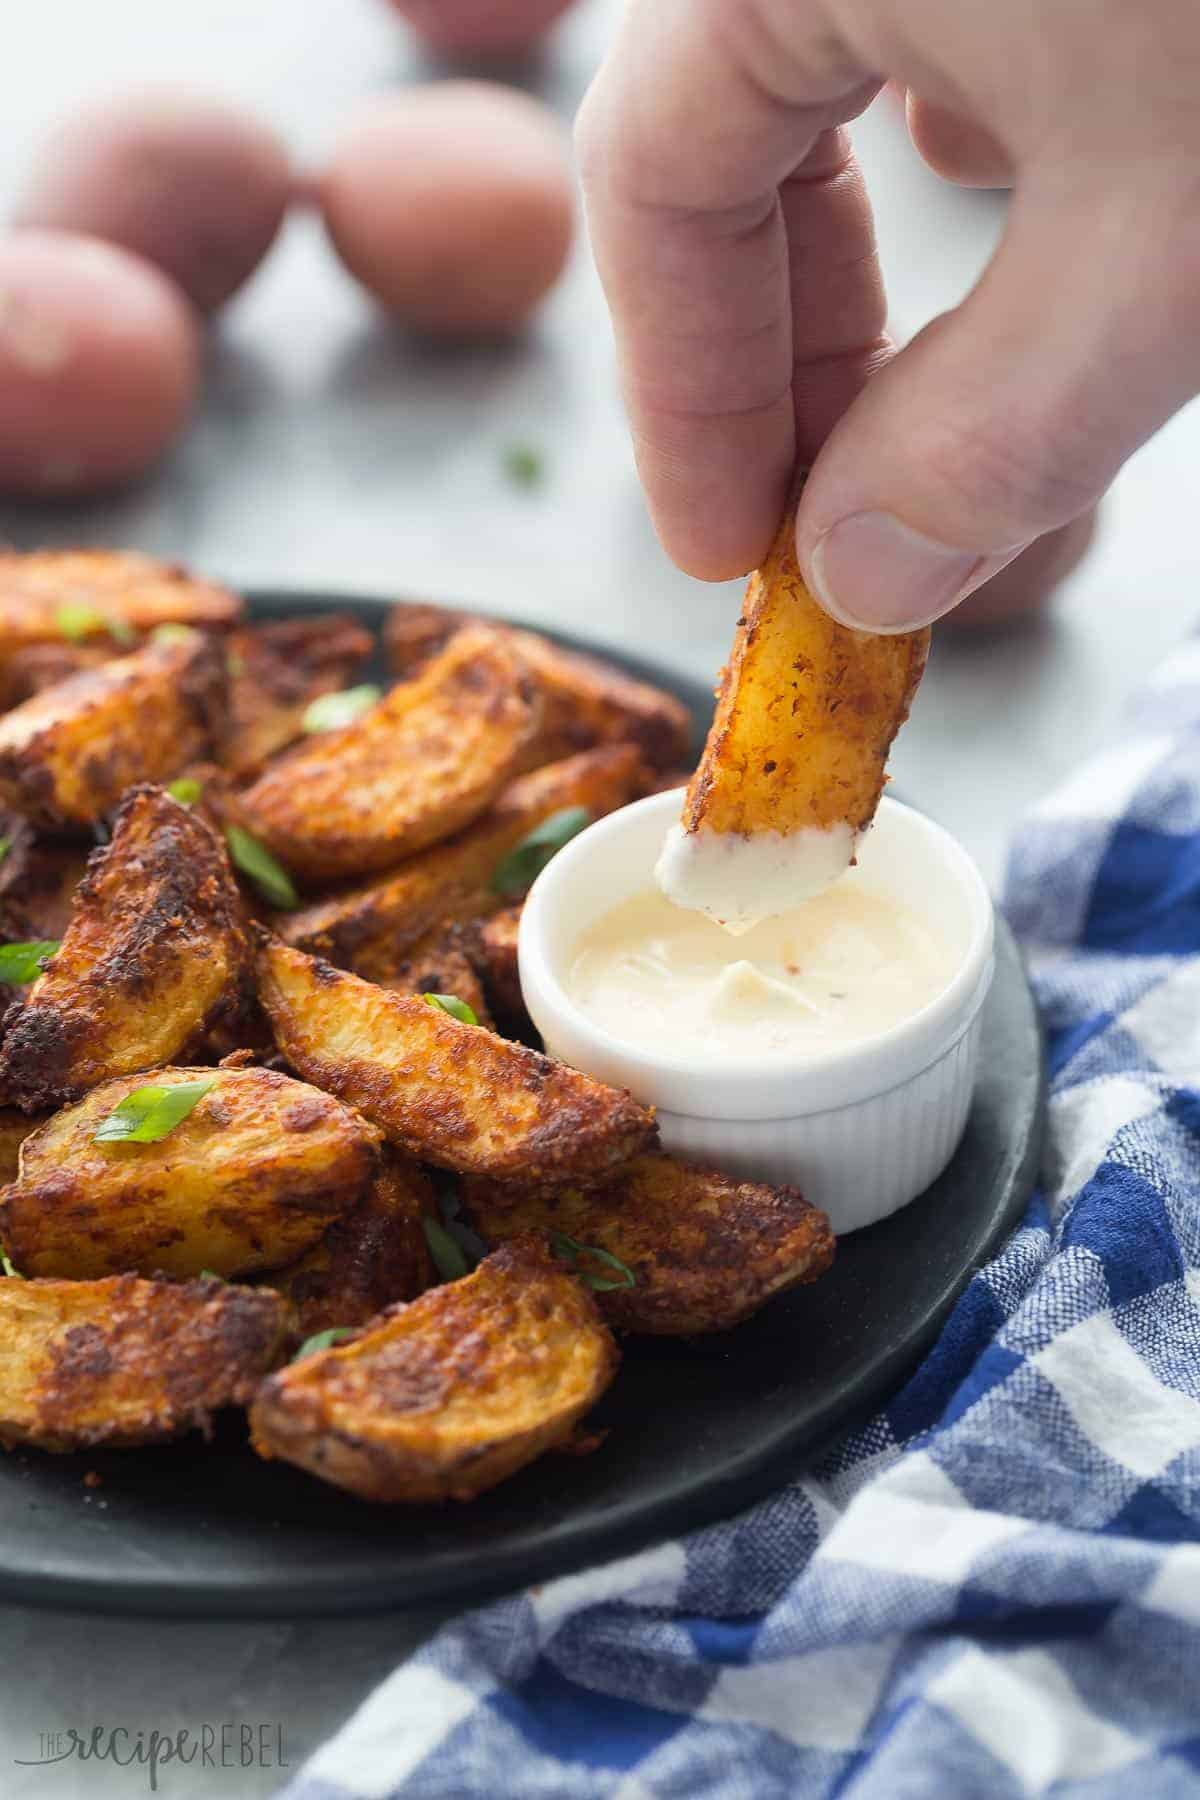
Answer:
(697, 120)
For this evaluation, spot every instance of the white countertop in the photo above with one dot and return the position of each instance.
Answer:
(330, 452)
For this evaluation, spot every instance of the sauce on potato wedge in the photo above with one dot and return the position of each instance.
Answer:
(444, 1398)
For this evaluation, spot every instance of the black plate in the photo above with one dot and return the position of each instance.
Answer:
(697, 1429)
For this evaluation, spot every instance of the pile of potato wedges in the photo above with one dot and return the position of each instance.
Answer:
(275, 1129)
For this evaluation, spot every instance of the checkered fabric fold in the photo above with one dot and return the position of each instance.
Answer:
(994, 1589)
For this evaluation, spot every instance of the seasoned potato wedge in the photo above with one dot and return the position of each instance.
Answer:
(46, 595)
(90, 1364)
(439, 964)
(585, 700)
(373, 1254)
(704, 1249)
(794, 763)
(250, 1179)
(275, 671)
(453, 1095)
(39, 878)
(493, 949)
(67, 755)
(444, 1398)
(15, 1127)
(424, 762)
(366, 928)
(155, 954)
(26, 671)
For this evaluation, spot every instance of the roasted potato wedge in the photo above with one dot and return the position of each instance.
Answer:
(492, 946)
(250, 1179)
(39, 878)
(49, 595)
(15, 1127)
(366, 928)
(444, 1398)
(439, 964)
(33, 667)
(67, 755)
(275, 671)
(424, 762)
(155, 954)
(806, 713)
(705, 1250)
(91, 1364)
(373, 1254)
(453, 1095)
(585, 700)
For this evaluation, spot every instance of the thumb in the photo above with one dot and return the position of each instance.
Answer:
(1009, 416)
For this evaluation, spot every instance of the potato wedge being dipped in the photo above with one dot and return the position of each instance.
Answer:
(373, 1254)
(704, 1250)
(794, 763)
(248, 1179)
(68, 755)
(109, 1364)
(451, 1094)
(155, 954)
(444, 1398)
(424, 762)
(365, 928)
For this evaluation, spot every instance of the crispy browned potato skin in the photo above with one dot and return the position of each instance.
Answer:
(31, 668)
(15, 1127)
(424, 762)
(453, 1095)
(806, 712)
(249, 1180)
(113, 1363)
(121, 585)
(493, 949)
(705, 1250)
(365, 928)
(439, 964)
(372, 1256)
(275, 671)
(155, 954)
(444, 1398)
(67, 755)
(39, 877)
(585, 700)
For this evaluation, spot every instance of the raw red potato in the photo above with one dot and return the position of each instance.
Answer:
(99, 359)
(481, 27)
(452, 204)
(190, 184)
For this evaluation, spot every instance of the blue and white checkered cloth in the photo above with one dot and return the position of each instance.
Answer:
(995, 1588)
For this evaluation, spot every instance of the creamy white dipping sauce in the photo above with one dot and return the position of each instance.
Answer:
(739, 880)
(835, 971)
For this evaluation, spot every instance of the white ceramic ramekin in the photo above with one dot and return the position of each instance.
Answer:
(861, 1131)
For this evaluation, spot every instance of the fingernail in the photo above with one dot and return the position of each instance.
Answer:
(874, 573)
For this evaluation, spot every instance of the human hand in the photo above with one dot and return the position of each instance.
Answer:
(734, 238)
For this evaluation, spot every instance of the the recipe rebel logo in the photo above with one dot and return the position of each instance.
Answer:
(218, 1745)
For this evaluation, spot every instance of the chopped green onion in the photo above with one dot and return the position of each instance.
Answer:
(321, 1340)
(330, 711)
(148, 1114)
(187, 790)
(447, 1253)
(7, 1266)
(235, 663)
(77, 621)
(5, 847)
(20, 963)
(524, 465)
(171, 633)
(210, 1275)
(571, 1250)
(255, 861)
(516, 872)
(458, 1009)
